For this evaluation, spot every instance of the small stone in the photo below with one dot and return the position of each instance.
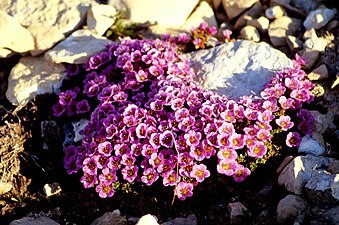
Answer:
(318, 18)
(52, 189)
(77, 48)
(261, 23)
(239, 214)
(5, 187)
(274, 12)
(309, 34)
(306, 5)
(309, 145)
(317, 44)
(280, 28)
(13, 35)
(318, 90)
(294, 43)
(34, 221)
(111, 218)
(235, 8)
(322, 122)
(319, 73)
(253, 12)
(189, 220)
(332, 25)
(250, 33)
(100, 18)
(148, 220)
(77, 127)
(284, 163)
(290, 208)
(311, 57)
(333, 167)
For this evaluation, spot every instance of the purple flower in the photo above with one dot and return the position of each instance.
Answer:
(148, 150)
(155, 140)
(141, 76)
(200, 172)
(223, 139)
(157, 105)
(227, 167)
(284, 122)
(58, 109)
(227, 153)
(72, 69)
(227, 34)
(301, 95)
(170, 178)
(70, 165)
(270, 105)
(141, 130)
(266, 116)
(121, 149)
(249, 140)
(228, 116)
(197, 152)
(108, 176)
(105, 190)
(129, 173)
(293, 139)
(128, 160)
(293, 83)
(209, 149)
(257, 151)
(263, 135)
(114, 163)
(305, 127)
(183, 190)
(90, 166)
(105, 148)
(149, 176)
(237, 141)
(192, 138)
(241, 173)
(88, 180)
(181, 114)
(166, 139)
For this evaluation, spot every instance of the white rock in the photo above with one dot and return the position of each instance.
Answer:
(309, 34)
(148, 220)
(34, 221)
(234, 8)
(237, 68)
(280, 28)
(13, 35)
(318, 18)
(77, 48)
(294, 43)
(317, 44)
(238, 213)
(322, 122)
(260, 23)
(189, 220)
(274, 12)
(77, 127)
(319, 73)
(203, 13)
(309, 145)
(66, 15)
(290, 208)
(110, 218)
(44, 38)
(250, 33)
(100, 18)
(167, 13)
(52, 189)
(32, 76)
(5, 187)
(296, 174)
(6, 53)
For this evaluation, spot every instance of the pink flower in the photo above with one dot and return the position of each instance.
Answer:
(200, 172)
(192, 138)
(257, 151)
(105, 190)
(241, 173)
(237, 141)
(227, 153)
(263, 135)
(284, 122)
(184, 190)
(129, 173)
(198, 152)
(293, 139)
(105, 148)
(226, 166)
(149, 176)
(171, 178)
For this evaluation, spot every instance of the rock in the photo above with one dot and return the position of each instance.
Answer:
(261, 23)
(52, 189)
(239, 214)
(319, 73)
(5, 187)
(318, 18)
(321, 187)
(333, 167)
(216, 4)
(306, 5)
(237, 68)
(44, 38)
(111, 218)
(32, 76)
(315, 43)
(50, 134)
(294, 43)
(336, 82)
(235, 8)
(77, 127)
(250, 33)
(332, 25)
(282, 27)
(100, 18)
(68, 134)
(333, 214)
(189, 220)
(177, 11)
(322, 122)
(119, 5)
(6, 53)
(274, 12)
(66, 15)
(13, 35)
(148, 220)
(291, 209)
(311, 57)
(299, 171)
(309, 34)
(310, 146)
(203, 13)
(284, 163)
(34, 221)
(253, 12)
(77, 48)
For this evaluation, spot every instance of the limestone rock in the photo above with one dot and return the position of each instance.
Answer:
(319, 73)
(65, 15)
(318, 18)
(167, 13)
(250, 33)
(309, 145)
(52, 189)
(317, 44)
(13, 35)
(148, 220)
(294, 43)
(77, 48)
(253, 12)
(239, 214)
(274, 12)
(100, 18)
(306, 5)
(282, 27)
(33, 76)
(296, 174)
(34, 221)
(111, 218)
(203, 13)
(260, 23)
(44, 38)
(322, 122)
(311, 57)
(189, 220)
(234, 8)
(237, 68)
(77, 127)
(290, 208)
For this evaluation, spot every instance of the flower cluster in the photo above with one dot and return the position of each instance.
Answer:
(152, 122)
(201, 35)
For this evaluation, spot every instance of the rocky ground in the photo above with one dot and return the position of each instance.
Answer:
(300, 187)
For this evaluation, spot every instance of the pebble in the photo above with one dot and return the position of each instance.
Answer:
(311, 33)
(319, 73)
(253, 12)
(111, 218)
(100, 18)
(333, 167)
(280, 28)
(318, 18)
(52, 189)
(274, 12)
(311, 57)
(315, 43)
(260, 23)
(189, 220)
(322, 122)
(309, 145)
(291, 209)
(250, 33)
(239, 214)
(294, 43)
(235, 8)
(148, 220)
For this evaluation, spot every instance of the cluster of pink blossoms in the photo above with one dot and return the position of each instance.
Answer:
(150, 121)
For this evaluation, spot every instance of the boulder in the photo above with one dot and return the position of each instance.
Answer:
(291, 209)
(318, 18)
(274, 12)
(311, 57)
(315, 43)
(309, 145)
(294, 43)
(280, 28)
(34, 221)
(234, 8)
(260, 23)
(100, 18)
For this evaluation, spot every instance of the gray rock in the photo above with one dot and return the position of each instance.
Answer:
(52, 189)
(253, 12)
(322, 187)
(318, 18)
(66, 15)
(333, 167)
(260, 23)
(291, 209)
(294, 43)
(333, 215)
(311, 57)
(111, 218)
(235, 8)
(77, 127)
(274, 12)
(100, 18)
(306, 5)
(77, 48)
(296, 174)
(237, 68)
(148, 220)
(280, 28)
(34, 221)
(315, 43)
(32, 76)
(13, 35)
(322, 122)
(189, 220)
(250, 33)
(309, 145)
(319, 73)
(239, 214)
(5, 187)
